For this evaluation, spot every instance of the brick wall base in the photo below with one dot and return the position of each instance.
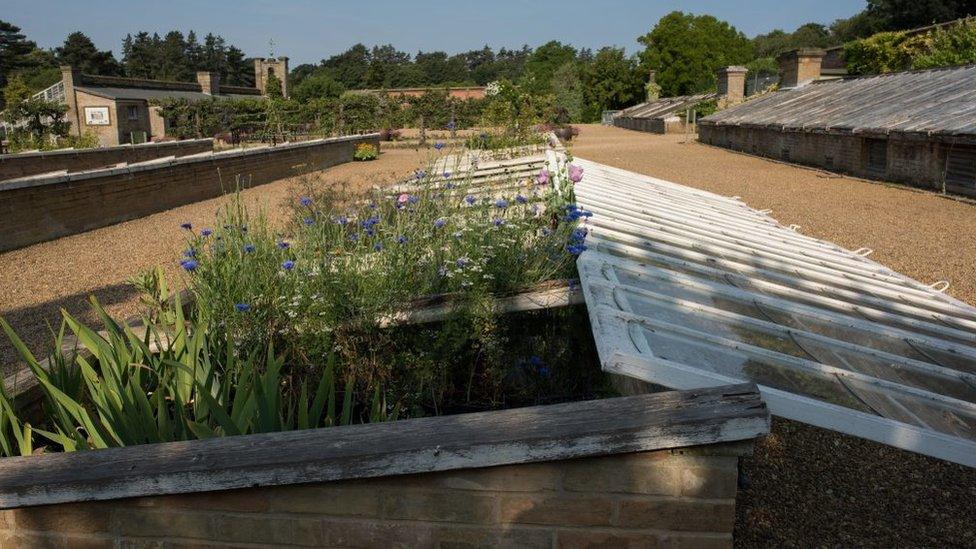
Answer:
(671, 498)
(915, 162)
(27, 164)
(35, 211)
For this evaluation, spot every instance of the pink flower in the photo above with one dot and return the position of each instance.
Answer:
(543, 177)
(403, 198)
(575, 173)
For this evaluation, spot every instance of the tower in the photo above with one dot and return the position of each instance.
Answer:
(264, 67)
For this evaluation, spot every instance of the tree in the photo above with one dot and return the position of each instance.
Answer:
(567, 91)
(36, 120)
(15, 49)
(139, 55)
(80, 52)
(318, 86)
(350, 66)
(686, 50)
(611, 81)
(173, 63)
(543, 63)
(910, 14)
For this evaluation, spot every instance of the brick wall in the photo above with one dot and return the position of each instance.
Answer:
(669, 498)
(22, 165)
(911, 161)
(39, 209)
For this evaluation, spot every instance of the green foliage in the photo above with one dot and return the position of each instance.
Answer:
(175, 381)
(516, 110)
(686, 50)
(896, 51)
(38, 123)
(15, 52)
(541, 66)
(175, 57)
(80, 52)
(567, 92)
(611, 81)
(318, 86)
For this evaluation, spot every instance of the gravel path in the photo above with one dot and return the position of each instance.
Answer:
(37, 281)
(807, 486)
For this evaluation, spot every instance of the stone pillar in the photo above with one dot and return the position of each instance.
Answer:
(70, 78)
(209, 82)
(264, 67)
(731, 85)
(653, 91)
(800, 67)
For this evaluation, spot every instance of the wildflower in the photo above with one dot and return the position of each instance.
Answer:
(575, 173)
(578, 235)
(447, 175)
(288, 265)
(402, 239)
(497, 221)
(470, 199)
(206, 232)
(543, 177)
(501, 203)
(461, 262)
(283, 245)
(249, 248)
(439, 223)
(451, 125)
(546, 231)
(421, 174)
(309, 221)
(458, 235)
(370, 232)
(242, 307)
(371, 222)
(186, 226)
(413, 199)
(573, 284)
(543, 371)
(305, 201)
(342, 220)
(190, 252)
(354, 237)
(535, 361)
(438, 146)
(521, 199)
(576, 249)
(403, 198)
(189, 265)
(378, 246)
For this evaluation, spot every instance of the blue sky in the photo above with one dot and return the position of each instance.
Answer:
(308, 31)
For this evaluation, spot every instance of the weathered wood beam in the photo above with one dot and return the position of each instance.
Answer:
(544, 433)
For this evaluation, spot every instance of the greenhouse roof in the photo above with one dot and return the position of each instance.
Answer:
(687, 289)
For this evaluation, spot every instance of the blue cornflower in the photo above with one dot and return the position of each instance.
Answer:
(438, 146)
(413, 199)
(576, 249)
(544, 371)
(354, 237)
(578, 235)
(440, 223)
(371, 222)
(370, 232)
(288, 265)
(501, 203)
(546, 231)
(451, 125)
(573, 284)
(189, 264)
(206, 232)
(242, 307)
(535, 361)
(521, 199)
(305, 201)
(447, 175)
(249, 248)
(283, 245)
(378, 246)
(309, 221)
(186, 226)
(497, 221)
(402, 239)
(470, 199)
(190, 252)
(421, 174)
(461, 262)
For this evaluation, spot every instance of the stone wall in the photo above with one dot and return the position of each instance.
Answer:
(912, 161)
(43, 208)
(667, 498)
(75, 160)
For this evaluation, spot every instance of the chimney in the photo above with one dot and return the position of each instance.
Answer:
(731, 85)
(653, 92)
(800, 67)
(209, 82)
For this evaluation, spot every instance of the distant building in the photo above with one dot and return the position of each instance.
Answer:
(913, 127)
(671, 114)
(119, 110)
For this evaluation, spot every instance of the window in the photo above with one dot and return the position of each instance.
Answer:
(132, 112)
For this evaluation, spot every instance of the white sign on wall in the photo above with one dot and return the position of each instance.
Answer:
(97, 116)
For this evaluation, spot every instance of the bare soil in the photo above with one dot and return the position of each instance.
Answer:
(807, 486)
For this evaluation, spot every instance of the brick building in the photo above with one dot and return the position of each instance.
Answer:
(670, 114)
(119, 110)
(912, 127)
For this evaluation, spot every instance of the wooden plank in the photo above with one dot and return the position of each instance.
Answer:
(543, 433)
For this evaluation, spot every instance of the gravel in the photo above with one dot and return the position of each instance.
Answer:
(807, 486)
(803, 487)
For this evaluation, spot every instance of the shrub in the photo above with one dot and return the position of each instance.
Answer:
(365, 151)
